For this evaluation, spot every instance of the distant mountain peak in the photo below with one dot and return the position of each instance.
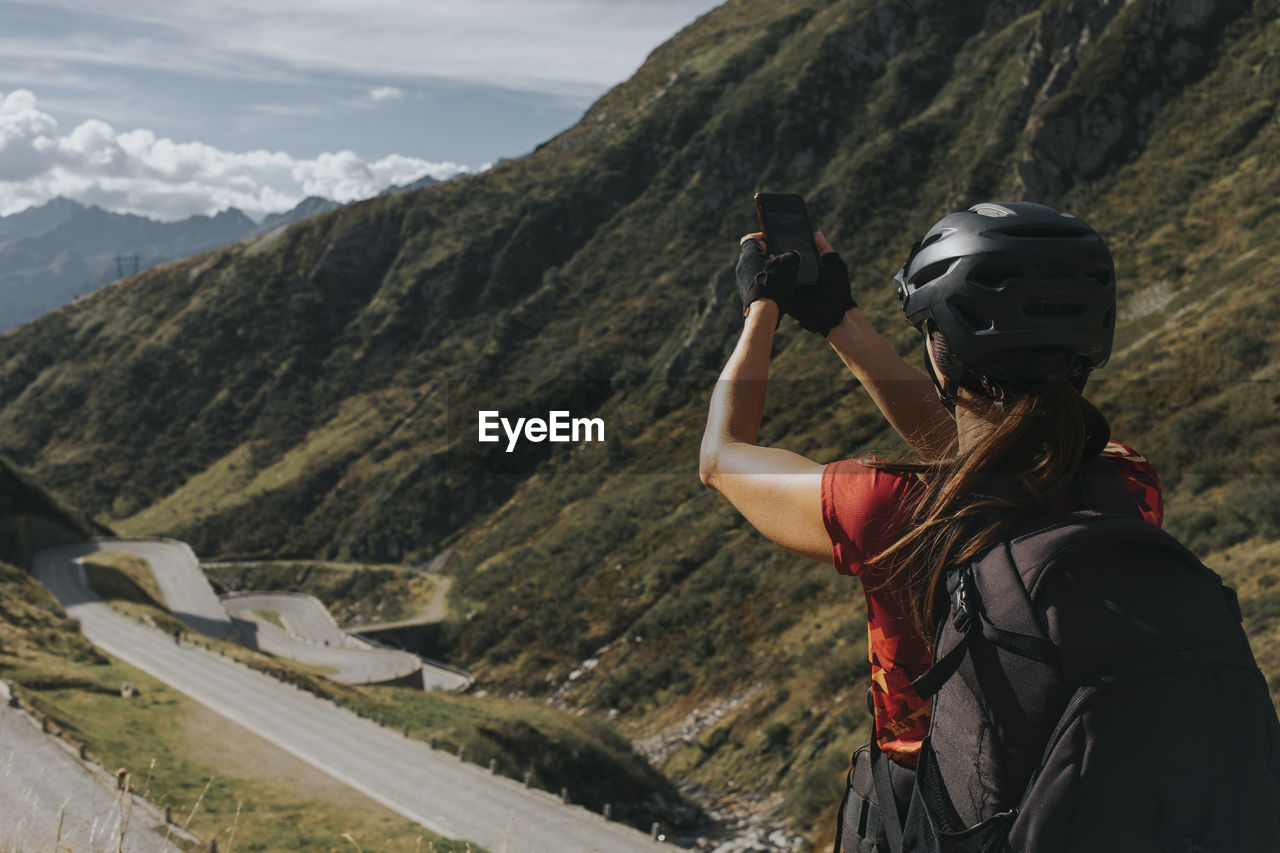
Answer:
(232, 214)
(58, 202)
(62, 249)
(38, 219)
(312, 205)
(420, 183)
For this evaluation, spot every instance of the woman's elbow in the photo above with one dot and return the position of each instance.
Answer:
(708, 463)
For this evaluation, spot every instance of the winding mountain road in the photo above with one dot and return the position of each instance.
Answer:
(186, 591)
(436, 790)
(311, 635)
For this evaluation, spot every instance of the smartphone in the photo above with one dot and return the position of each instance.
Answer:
(785, 223)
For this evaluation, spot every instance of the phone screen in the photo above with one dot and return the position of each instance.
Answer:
(785, 223)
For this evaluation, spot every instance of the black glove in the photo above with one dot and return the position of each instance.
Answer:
(762, 277)
(820, 307)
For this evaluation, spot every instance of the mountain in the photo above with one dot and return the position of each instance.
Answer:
(36, 220)
(31, 518)
(314, 391)
(312, 205)
(422, 183)
(51, 254)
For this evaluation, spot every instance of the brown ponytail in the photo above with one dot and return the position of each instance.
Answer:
(1039, 440)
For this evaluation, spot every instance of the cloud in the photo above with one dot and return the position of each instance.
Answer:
(26, 136)
(572, 48)
(138, 172)
(386, 93)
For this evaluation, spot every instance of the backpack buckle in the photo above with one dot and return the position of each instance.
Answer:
(961, 618)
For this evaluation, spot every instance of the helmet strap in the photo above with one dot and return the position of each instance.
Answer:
(936, 348)
(945, 397)
(994, 390)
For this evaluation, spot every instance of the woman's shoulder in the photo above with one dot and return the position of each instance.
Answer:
(870, 477)
(1139, 477)
(1117, 451)
(1129, 462)
(865, 506)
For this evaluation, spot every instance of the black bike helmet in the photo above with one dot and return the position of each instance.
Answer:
(1018, 290)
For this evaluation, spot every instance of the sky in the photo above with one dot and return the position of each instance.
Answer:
(169, 108)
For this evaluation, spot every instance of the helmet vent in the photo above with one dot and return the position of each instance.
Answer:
(931, 272)
(972, 317)
(930, 239)
(991, 276)
(1055, 308)
(1046, 231)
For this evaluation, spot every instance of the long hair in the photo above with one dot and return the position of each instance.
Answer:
(1041, 435)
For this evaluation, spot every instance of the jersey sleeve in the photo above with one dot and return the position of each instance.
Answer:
(1139, 478)
(864, 508)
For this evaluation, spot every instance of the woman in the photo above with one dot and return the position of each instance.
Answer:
(1017, 306)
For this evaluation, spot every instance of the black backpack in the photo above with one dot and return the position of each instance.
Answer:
(1093, 691)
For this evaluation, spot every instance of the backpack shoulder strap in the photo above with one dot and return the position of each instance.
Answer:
(969, 618)
(890, 825)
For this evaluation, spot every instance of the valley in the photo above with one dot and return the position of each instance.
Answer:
(301, 407)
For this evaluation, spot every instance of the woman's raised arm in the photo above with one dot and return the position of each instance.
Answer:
(778, 491)
(904, 394)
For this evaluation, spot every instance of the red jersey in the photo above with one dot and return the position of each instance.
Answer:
(862, 507)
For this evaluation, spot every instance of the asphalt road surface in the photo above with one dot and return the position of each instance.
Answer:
(50, 801)
(186, 590)
(436, 790)
(311, 635)
(302, 615)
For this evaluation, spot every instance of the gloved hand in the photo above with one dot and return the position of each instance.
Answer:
(762, 277)
(820, 307)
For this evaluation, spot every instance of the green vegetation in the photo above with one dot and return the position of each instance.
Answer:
(587, 756)
(121, 576)
(38, 644)
(269, 616)
(311, 394)
(230, 784)
(164, 740)
(24, 503)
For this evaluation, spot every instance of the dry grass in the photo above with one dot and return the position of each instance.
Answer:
(219, 779)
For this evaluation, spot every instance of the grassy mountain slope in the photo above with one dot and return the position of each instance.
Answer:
(24, 503)
(50, 255)
(35, 636)
(312, 393)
